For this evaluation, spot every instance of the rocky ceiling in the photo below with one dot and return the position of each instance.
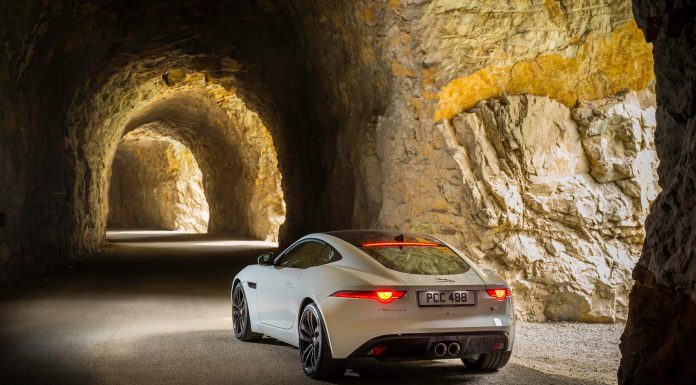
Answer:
(522, 132)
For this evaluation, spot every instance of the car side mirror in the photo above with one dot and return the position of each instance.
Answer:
(267, 259)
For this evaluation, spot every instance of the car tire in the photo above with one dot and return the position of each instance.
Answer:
(315, 353)
(241, 324)
(489, 361)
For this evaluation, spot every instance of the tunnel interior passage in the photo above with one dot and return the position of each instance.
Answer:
(207, 162)
(258, 91)
(156, 184)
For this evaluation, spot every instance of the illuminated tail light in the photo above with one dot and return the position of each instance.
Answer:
(377, 351)
(499, 294)
(398, 244)
(383, 296)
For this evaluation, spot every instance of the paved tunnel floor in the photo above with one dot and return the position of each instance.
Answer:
(153, 308)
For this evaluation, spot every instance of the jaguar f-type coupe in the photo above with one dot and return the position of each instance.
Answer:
(371, 293)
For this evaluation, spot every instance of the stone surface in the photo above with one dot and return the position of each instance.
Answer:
(156, 185)
(524, 189)
(596, 71)
(657, 344)
(551, 191)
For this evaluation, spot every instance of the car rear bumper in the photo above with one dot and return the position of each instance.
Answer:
(423, 346)
(351, 323)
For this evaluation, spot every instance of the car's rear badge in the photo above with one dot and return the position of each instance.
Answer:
(444, 279)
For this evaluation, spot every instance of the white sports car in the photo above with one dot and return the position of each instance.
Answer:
(372, 293)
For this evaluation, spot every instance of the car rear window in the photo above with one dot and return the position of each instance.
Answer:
(424, 260)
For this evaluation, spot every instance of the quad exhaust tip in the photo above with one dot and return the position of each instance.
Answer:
(440, 349)
(452, 349)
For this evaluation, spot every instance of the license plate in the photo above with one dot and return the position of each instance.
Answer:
(446, 298)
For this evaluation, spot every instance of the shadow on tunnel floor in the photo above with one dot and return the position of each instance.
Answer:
(215, 357)
(152, 263)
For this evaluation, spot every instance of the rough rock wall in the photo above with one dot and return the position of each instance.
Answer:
(550, 190)
(657, 345)
(26, 238)
(342, 42)
(567, 238)
(552, 198)
(156, 185)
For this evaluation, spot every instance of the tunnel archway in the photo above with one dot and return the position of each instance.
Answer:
(235, 152)
(261, 62)
(267, 54)
(156, 184)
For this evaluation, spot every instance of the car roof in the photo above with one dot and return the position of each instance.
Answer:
(357, 237)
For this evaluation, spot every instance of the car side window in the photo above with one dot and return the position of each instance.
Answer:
(327, 255)
(302, 256)
(308, 254)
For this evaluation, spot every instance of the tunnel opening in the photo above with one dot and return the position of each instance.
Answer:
(201, 123)
(156, 184)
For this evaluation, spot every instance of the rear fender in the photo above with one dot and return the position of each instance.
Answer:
(322, 281)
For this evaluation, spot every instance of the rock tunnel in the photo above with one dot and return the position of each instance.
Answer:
(536, 137)
(156, 184)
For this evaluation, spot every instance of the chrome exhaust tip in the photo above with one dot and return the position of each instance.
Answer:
(454, 349)
(440, 349)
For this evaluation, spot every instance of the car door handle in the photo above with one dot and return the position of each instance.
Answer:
(290, 285)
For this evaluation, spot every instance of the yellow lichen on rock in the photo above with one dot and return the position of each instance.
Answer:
(621, 61)
(462, 94)
(603, 66)
(548, 75)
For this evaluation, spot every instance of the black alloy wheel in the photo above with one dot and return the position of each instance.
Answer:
(240, 316)
(315, 354)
